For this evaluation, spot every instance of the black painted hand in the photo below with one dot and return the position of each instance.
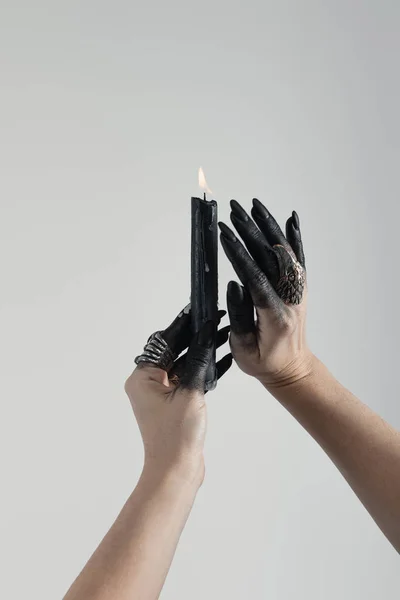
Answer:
(190, 370)
(169, 406)
(268, 311)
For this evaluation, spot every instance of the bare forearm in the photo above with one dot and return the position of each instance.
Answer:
(363, 446)
(133, 559)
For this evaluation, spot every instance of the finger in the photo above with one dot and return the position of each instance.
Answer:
(249, 273)
(178, 334)
(179, 364)
(291, 285)
(255, 241)
(267, 224)
(198, 358)
(148, 372)
(241, 310)
(221, 314)
(293, 235)
(222, 336)
(223, 365)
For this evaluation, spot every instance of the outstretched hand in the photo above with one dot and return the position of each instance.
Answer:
(268, 311)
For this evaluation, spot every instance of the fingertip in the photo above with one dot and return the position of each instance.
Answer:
(226, 232)
(221, 313)
(293, 235)
(238, 211)
(228, 359)
(185, 311)
(235, 292)
(224, 365)
(260, 209)
(289, 229)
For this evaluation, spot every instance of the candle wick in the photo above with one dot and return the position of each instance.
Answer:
(205, 197)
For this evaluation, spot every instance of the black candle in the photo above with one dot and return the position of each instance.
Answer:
(204, 272)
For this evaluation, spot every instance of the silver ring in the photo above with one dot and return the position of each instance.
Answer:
(157, 352)
(292, 276)
(290, 287)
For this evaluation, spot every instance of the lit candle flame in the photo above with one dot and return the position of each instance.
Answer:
(203, 182)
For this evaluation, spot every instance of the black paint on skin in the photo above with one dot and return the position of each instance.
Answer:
(178, 334)
(296, 220)
(267, 224)
(293, 236)
(241, 314)
(274, 267)
(292, 279)
(198, 357)
(255, 241)
(222, 337)
(249, 273)
(191, 367)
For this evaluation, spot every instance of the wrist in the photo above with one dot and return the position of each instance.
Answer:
(296, 374)
(176, 477)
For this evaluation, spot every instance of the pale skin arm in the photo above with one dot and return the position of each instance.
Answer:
(365, 448)
(268, 342)
(132, 561)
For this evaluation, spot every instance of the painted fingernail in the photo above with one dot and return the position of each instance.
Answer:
(261, 210)
(185, 311)
(221, 314)
(239, 211)
(226, 232)
(206, 335)
(235, 292)
(223, 335)
(295, 220)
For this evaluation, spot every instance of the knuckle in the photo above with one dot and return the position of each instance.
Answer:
(257, 277)
(198, 361)
(130, 383)
(287, 323)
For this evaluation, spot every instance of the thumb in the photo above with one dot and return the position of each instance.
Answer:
(198, 358)
(241, 310)
(146, 374)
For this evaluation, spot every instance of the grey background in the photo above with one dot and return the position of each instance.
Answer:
(107, 109)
